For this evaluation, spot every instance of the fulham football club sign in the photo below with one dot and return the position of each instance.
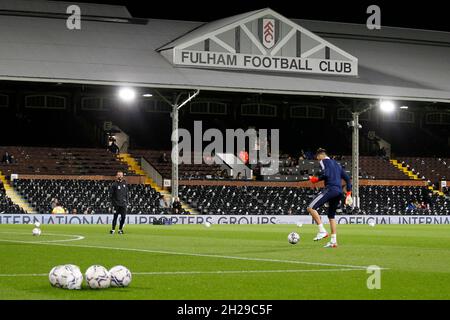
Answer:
(259, 41)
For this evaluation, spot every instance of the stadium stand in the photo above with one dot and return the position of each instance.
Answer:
(290, 168)
(86, 196)
(85, 161)
(402, 200)
(252, 200)
(446, 191)
(379, 168)
(92, 196)
(6, 205)
(432, 169)
(246, 200)
(371, 167)
(186, 171)
(59, 161)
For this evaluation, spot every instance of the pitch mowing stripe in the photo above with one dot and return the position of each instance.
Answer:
(199, 272)
(193, 254)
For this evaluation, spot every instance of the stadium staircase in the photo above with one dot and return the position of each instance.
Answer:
(15, 197)
(405, 170)
(134, 167)
(412, 175)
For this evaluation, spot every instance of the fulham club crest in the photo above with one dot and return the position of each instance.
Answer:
(268, 33)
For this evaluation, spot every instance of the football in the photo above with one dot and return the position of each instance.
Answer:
(66, 277)
(97, 277)
(207, 224)
(55, 276)
(36, 232)
(73, 277)
(37, 224)
(120, 276)
(293, 238)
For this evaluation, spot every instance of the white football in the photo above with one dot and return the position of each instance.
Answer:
(74, 277)
(97, 277)
(55, 276)
(372, 224)
(37, 224)
(36, 232)
(66, 277)
(299, 224)
(207, 224)
(293, 238)
(120, 276)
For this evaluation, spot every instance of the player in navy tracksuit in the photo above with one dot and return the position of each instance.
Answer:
(332, 175)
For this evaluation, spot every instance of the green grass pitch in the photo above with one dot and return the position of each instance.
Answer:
(231, 261)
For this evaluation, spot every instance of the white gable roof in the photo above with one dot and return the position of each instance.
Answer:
(209, 28)
(239, 38)
(213, 29)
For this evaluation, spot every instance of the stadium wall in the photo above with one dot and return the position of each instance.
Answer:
(251, 183)
(302, 184)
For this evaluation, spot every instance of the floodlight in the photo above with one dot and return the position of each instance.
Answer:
(387, 106)
(127, 94)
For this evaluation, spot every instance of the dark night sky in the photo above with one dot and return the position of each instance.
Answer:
(432, 15)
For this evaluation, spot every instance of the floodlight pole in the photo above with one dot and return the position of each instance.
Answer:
(176, 105)
(355, 159)
(355, 155)
(175, 154)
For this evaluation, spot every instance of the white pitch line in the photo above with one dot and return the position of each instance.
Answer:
(241, 271)
(75, 237)
(194, 254)
(24, 275)
(201, 272)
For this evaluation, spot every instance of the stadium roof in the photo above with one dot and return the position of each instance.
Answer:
(60, 7)
(397, 63)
